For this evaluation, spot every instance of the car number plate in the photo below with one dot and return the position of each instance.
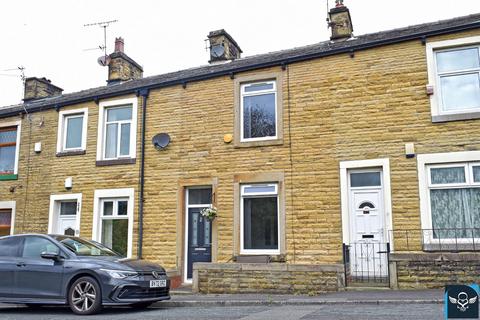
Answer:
(158, 283)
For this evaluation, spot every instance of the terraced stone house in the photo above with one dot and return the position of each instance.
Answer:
(355, 159)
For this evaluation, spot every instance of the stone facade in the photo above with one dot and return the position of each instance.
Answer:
(336, 108)
(43, 174)
(434, 270)
(274, 278)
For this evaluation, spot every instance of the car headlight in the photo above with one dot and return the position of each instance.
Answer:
(120, 274)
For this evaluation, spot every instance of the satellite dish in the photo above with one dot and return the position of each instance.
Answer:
(161, 141)
(218, 50)
(103, 61)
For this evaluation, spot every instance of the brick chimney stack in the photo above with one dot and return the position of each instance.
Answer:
(121, 67)
(340, 21)
(38, 88)
(223, 47)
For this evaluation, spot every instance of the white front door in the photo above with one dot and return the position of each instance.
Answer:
(66, 217)
(367, 224)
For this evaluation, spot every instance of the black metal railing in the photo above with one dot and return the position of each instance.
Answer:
(441, 239)
(366, 262)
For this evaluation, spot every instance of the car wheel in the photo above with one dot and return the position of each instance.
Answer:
(85, 297)
(141, 305)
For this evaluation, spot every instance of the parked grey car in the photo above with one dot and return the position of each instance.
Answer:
(56, 269)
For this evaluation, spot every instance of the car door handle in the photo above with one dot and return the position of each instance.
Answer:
(21, 264)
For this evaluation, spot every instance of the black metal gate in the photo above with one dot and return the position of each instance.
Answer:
(366, 263)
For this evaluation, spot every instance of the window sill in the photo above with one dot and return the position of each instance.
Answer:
(455, 117)
(114, 162)
(259, 143)
(8, 177)
(267, 258)
(70, 153)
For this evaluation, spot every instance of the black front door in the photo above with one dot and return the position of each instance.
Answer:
(199, 239)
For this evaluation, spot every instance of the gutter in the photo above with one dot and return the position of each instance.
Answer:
(144, 94)
(278, 62)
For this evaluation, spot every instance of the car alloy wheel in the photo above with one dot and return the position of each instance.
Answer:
(85, 297)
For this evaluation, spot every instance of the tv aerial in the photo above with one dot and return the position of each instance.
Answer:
(105, 59)
(20, 69)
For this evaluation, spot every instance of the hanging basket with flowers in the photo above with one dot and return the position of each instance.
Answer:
(209, 213)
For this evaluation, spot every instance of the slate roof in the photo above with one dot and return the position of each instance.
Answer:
(325, 48)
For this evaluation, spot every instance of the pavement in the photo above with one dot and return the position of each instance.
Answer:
(371, 297)
(347, 305)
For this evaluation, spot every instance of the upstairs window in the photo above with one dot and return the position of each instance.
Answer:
(258, 111)
(117, 130)
(72, 130)
(458, 75)
(454, 75)
(8, 150)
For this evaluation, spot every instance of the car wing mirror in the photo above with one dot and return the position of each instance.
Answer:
(51, 256)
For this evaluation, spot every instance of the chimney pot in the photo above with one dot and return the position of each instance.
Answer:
(119, 44)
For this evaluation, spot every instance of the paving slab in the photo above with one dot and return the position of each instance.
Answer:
(343, 297)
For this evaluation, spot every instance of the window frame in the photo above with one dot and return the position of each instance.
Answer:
(244, 94)
(425, 162)
(10, 205)
(102, 125)
(239, 83)
(62, 129)
(256, 195)
(436, 101)
(7, 125)
(100, 196)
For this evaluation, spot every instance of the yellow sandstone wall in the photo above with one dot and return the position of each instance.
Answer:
(334, 109)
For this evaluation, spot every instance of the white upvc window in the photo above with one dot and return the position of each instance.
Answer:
(259, 219)
(450, 197)
(117, 129)
(9, 148)
(454, 193)
(7, 217)
(72, 130)
(454, 74)
(113, 219)
(258, 111)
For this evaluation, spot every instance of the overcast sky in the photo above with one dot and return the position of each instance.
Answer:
(49, 39)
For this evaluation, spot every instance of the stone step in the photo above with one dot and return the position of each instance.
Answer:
(366, 288)
(182, 290)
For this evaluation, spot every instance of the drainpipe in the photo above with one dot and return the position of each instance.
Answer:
(144, 94)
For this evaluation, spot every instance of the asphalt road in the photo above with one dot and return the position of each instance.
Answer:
(292, 312)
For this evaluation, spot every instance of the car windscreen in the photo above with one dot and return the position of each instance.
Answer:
(85, 248)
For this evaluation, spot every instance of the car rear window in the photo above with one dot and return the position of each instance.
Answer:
(9, 246)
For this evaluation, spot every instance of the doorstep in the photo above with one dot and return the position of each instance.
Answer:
(184, 289)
